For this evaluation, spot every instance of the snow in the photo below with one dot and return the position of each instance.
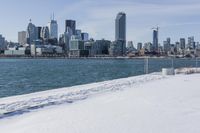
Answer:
(25, 103)
(143, 104)
(187, 70)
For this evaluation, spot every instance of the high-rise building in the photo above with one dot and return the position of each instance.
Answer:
(191, 43)
(148, 46)
(53, 29)
(155, 40)
(120, 34)
(32, 33)
(67, 38)
(166, 45)
(101, 47)
(39, 32)
(45, 33)
(182, 43)
(120, 27)
(116, 48)
(2, 43)
(139, 46)
(130, 44)
(22, 37)
(78, 34)
(177, 46)
(72, 25)
(85, 36)
(198, 45)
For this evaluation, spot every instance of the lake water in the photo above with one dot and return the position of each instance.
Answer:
(22, 76)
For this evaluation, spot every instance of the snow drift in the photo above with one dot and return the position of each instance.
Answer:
(143, 104)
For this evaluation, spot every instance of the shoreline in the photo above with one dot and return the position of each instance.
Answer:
(65, 57)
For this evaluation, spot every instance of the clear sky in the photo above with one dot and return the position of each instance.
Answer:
(176, 18)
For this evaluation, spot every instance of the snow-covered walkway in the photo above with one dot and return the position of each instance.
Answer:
(143, 104)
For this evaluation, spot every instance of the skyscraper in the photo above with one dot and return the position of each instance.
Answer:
(2, 43)
(182, 43)
(85, 36)
(155, 40)
(191, 43)
(22, 37)
(67, 38)
(120, 27)
(120, 34)
(139, 46)
(44, 33)
(39, 32)
(78, 34)
(53, 29)
(31, 34)
(72, 25)
(167, 45)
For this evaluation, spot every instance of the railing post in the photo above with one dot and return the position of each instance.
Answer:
(146, 65)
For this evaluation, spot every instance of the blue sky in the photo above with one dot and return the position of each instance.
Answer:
(176, 18)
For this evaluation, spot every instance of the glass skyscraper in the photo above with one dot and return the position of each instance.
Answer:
(120, 27)
(119, 46)
(72, 25)
(155, 40)
(31, 33)
(53, 29)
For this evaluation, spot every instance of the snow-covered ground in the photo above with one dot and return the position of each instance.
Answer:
(143, 104)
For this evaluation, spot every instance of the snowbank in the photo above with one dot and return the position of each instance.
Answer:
(187, 70)
(26, 103)
(142, 104)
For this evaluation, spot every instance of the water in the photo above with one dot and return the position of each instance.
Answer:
(22, 76)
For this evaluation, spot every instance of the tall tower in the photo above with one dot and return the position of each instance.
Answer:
(120, 27)
(72, 25)
(182, 43)
(31, 34)
(53, 28)
(120, 33)
(44, 33)
(155, 39)
(22, 37)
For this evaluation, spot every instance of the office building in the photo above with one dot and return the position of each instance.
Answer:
(155, 40)
(101, 47)
(167, 45)
(72, 25)
(85, 36)
(39, 32)
(116, 48)
(67, 37)
(44, 33)
(139, 46)
(31, 33)
(2, 43)
(22, 37)
(148, 46)
(76, 48)
(53, 28)
(191, 43)
(182, 43)
(130, 44)
(78, 34)
(120, 35)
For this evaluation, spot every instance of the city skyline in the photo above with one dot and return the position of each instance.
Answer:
(176, 19)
